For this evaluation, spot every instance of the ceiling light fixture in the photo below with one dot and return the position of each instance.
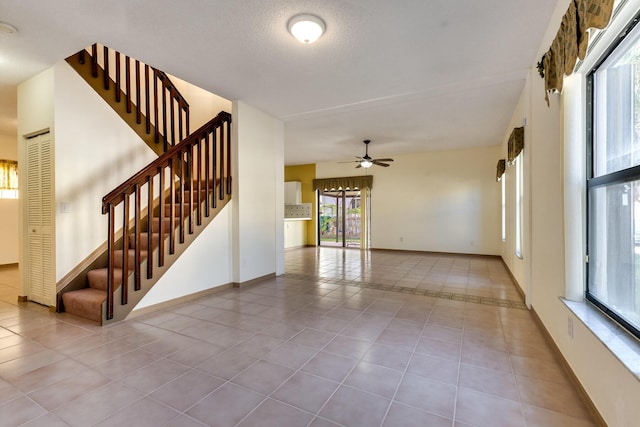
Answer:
(7, 29)
(306, 28)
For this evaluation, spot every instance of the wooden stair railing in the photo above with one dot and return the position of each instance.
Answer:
(201, 164)
(147, 91)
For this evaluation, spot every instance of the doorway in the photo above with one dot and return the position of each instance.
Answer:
(340, 218)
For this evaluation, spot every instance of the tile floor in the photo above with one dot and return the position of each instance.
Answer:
(323, 345)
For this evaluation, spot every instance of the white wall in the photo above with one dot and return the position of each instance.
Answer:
(9, 208)
(203, 105)
(555, 229)
(205, 264)
(258, 193)
(95, 151)
(35, 114)
(444, 201)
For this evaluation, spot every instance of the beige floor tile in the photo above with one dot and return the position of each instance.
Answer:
(184, 421)
(406, 416)
(553, 396)
(305, 391)
(312, 338)
(186, 390)
(57, 394)
(96, 405)
(228, 364)
(438, 348)
(538, 417)
(20, 410)
(263, 377)
(272, 413)
(330, 366)
(143, 413)
(226, 406)
(434, 368)
(195, 353)
(374, 379)
(47, 420)
(486, 358)
(290, 355)
(389, 357)
(484, 410)
(348, 347)
(352, 407)
(432, 396)
(489, 381)
(155, 375)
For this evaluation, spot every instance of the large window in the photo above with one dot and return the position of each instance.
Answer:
(504, 209)
(519, 188)
(613, 185)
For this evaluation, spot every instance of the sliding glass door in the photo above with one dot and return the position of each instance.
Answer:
(339, 218)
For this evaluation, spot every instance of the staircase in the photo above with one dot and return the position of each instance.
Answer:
(154, 215)
(143, 96)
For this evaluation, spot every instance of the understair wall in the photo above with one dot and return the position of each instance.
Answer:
(95, 150)
(204, 265)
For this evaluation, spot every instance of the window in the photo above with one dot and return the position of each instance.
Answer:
(8, 179)
(504, 209)
(613, 183)
(518, 163)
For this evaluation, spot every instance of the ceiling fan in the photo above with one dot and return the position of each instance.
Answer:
(366, 161)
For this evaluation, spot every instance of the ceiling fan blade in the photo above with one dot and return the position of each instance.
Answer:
(376, 162)
(351, 161)
(384, 160)
(359, 166)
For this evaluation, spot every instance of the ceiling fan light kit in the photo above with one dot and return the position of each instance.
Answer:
(366, 163)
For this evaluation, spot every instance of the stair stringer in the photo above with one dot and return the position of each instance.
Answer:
(120, 312)
(84, 70)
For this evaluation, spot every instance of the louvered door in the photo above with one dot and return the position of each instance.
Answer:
(40, 220)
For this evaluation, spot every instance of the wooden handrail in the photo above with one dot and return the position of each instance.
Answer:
(144, 94)
(166, 180)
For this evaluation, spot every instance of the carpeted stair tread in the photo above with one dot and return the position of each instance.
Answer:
(185, 212)
(189, 184)
(155, 225)
(98, 278)
(197, 196)
(143, 240)
(85, 303)
(117, 261)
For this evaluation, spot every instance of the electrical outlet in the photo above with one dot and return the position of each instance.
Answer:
(570, 326)
(401, 239)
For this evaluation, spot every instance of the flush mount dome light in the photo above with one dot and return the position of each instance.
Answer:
(306, 28)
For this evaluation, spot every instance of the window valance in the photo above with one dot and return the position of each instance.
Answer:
(502, 166)
(516, 144)
(343, 183)
(571, 40)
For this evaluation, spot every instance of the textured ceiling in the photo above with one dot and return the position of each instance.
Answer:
(412, 75)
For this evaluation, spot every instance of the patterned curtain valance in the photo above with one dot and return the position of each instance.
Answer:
(344, 183)
(571, 40)
(502, 165)
(516, 144)
(8, 175)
